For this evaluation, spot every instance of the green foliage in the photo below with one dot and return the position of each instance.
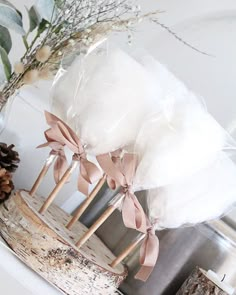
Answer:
(46, 9)
(59, 3)
(6, 63)
(34, 19)
(41, 15)
(7, 3)
(10, 19)
(5, 39)
(42, 26)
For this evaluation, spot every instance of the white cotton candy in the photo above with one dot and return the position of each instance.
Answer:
(170, 151)
(113, 100)
(180, 139)
(107, 97)
(201, 197)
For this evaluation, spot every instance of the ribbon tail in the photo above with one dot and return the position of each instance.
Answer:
(60, 167)
(46, 144)
(83, 185)
(133, 214)
(90, 172)
(50, 118)
(109, 167)
(111, 183)
(148, 256)
(144, 273)
(140, 217)
(128, 212)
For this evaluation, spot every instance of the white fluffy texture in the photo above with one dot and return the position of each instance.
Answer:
(170, 151)
(178, 141)
(203, 196)
(107, 98)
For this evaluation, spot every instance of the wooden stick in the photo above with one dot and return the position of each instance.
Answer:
(86, 202)
(42, 173)
(112, 207)
(127, 250)
(58, 187)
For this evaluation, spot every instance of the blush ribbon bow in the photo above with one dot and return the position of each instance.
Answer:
(123, 174)
(63, 135)
(57, 147)
(149, 252)
(116, 159)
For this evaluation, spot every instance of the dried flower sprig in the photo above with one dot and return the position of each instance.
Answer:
(70, 26)
(62, 29)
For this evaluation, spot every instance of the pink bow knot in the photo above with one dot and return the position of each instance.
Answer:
(127, 189)
(78, 157)
(132, 212)
(60, 135)
(57, 147)
(123, 174)
(116, 159)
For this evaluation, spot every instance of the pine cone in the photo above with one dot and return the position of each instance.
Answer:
(8, 157)
(6, 184)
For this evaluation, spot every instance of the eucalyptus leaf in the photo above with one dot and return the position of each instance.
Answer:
(2, 75)
(34, 18)
(6, 63)
(42, 26)
(10, 19)
(46, 9)
(5, 39)
(59, 3)
(7, 3)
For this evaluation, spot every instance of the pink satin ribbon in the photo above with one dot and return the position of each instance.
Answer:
(149, 252)
(123, 174)
(63, 134)
(57, 147)
(116, 159)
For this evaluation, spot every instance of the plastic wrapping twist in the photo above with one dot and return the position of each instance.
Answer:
(132, 212)
(63, 135)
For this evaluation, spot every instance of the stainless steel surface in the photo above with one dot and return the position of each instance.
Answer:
(180, 251)
(209, 246)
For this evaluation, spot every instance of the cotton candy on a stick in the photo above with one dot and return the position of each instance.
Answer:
(180, 138)
(171, 150)
(105, 98)
(203, 196)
